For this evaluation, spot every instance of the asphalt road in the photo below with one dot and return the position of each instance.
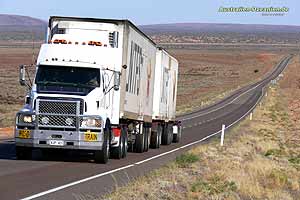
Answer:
(76, 177)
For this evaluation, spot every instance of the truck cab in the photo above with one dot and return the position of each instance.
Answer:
(70, 102)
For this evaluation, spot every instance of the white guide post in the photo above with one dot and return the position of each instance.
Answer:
(222, 134)
(251, 116)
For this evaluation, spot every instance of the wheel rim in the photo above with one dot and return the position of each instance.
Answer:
(121, 145)
(107, 148)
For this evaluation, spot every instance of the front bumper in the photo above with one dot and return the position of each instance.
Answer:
(59, 139)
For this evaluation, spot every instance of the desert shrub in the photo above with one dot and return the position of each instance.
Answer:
(186, 159)
(214, 185)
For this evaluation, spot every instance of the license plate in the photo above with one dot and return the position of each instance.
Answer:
(90, 136)
(24, 134)
(56, 142)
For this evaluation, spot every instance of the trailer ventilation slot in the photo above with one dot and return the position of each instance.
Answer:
(113, 39)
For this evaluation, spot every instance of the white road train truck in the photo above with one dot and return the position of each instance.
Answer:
(100, 86)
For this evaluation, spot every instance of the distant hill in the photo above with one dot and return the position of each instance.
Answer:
(16, 27)
(223, 33)
(24, 28)
(195, 28)
(17, 20)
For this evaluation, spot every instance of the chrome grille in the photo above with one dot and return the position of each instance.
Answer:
(53, 113)
(57, 121)
(57, 107)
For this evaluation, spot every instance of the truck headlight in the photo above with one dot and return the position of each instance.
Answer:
(26, 118)
(90, 122)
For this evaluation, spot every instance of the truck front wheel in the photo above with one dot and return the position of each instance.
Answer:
(102, 156)
(118, 152)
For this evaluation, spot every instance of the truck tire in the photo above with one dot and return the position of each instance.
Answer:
(102, 156)
(167, 135)
(170, 131)
(139, 143)
(117, 152)
(177, 137)
(23, 153)
(156, 138)
(125, 142)
(146, 139)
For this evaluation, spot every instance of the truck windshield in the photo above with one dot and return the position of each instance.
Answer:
(67, 79)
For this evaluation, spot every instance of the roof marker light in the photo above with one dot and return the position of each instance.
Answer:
(83, 43)
(92, 43)
(69, 42)
(76, 42)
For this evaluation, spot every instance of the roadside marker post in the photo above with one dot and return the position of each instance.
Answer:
(251, 116)
(222, 134)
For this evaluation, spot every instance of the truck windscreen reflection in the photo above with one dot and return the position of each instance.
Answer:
(68, 76)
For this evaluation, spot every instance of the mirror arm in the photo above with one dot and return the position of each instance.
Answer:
(30, 81)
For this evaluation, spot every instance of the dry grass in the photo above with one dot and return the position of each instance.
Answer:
(260, 159)
(207, 76)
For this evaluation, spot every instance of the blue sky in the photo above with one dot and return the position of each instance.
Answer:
(155, 11)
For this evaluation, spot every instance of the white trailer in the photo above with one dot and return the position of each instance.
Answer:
(93, 90)
(164, 124)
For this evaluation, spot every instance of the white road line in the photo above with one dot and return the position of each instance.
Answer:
(75, 183)
(137, 163)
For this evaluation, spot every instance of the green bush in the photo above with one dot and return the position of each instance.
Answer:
(186, 159)
(213, 186)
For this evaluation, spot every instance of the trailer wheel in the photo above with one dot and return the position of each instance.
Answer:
(146, 139)
(170, 133)
(167, 135)
(139, 143)
(177, 137)
(102, 156)
(125, 142)
(164, 136)
(23, 153)
(156, 138)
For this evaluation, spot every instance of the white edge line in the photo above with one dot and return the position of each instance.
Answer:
(75, 183)
(143, 161)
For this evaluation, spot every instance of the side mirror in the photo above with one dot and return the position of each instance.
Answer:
(22, 75)
(117, 80)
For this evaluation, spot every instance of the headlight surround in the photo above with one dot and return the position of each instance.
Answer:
(91, 122)
(24, 118)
